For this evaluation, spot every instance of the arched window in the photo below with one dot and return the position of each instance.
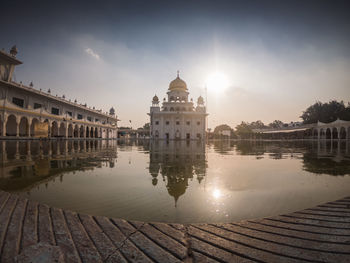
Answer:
(171, 109)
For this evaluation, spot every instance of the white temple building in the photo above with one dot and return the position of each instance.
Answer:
(178, 118)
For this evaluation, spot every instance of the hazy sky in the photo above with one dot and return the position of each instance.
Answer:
(279, 57)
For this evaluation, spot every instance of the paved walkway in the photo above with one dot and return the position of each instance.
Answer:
(39, 233)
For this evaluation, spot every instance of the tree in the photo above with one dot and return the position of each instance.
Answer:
(257, 125)
(276, 124)
(244, 130)
(146, 126)
(326, 112)
(223, 127)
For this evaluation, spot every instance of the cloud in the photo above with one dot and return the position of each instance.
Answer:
(92, 53)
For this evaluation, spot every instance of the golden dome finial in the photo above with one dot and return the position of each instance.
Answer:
(178, 84)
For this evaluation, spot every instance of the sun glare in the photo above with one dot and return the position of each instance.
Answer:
(217, 82)
(216, 193)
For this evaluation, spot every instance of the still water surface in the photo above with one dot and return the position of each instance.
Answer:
(180, 181)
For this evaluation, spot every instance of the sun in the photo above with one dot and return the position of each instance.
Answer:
(217, 82)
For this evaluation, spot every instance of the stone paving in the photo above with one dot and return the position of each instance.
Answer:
(33, 232)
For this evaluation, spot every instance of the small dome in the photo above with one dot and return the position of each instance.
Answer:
(200, 100)
(155, 98)
(178, 84)
(112, 111)
(14, 51)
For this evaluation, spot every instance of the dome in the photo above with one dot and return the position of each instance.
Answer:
(155, 98)
(178, 84)
(200, 100)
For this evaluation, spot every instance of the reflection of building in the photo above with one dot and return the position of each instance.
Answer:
(177, 162)
(177, 118)
(25, 164)
(28, 112)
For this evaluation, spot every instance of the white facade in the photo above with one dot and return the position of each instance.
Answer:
(25, 110)
(178, 118)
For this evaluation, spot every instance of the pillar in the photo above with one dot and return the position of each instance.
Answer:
(338, 131)
(17, 129)
(331, 134)
(4, 129)
(318, 134)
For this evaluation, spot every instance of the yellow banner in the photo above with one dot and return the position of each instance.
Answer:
(41, 129)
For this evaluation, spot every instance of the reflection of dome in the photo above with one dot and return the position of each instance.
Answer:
(176, 187)
(178, 84)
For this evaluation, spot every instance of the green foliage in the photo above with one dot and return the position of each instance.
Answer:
(257, 125)
(276, 124)
(326, 112)
(244, 130)
(146, 126)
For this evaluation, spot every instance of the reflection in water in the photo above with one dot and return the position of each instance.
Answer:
(26, 164)
(177, 162)
(177, 181)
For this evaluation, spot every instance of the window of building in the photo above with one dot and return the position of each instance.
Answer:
(156, 122)
(37, 106)
(97, 120)
(69, 113)
(19, 102)
(167, 122)
(198, 123)
(89, 118)
(55, 111)
(80, 117)
(177, 123)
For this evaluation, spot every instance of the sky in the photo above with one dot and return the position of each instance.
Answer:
(278, 57)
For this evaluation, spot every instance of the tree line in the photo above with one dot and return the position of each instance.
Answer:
(323, 112)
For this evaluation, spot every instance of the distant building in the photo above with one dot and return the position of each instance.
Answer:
(29, 112)
(177, 118)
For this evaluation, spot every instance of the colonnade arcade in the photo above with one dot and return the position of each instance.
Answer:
(337, 130)
(23, 126)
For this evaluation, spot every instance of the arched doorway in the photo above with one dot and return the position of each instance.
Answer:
(96, 132)
(76, 131)
(11, 126)
(81, 131)
(92, 132)
(54, 129)
(62, 131)
(328, 133)
(23, 127)
(322, 134)
(342, 133)
(87, 132)
(335, 133)
(315, 134)
(35, 121)
(70, 130)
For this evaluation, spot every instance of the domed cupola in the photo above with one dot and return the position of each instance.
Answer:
(200, 100)
(178, 84)
(155, 99)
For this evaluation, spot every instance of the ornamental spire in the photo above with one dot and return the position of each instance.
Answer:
(178, 72)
